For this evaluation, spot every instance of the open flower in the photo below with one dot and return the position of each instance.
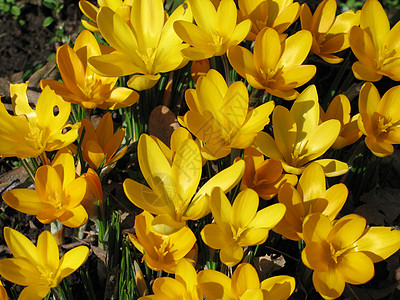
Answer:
(215, 32)
(100, 145)
(38, 267)
(263, 176)
(376, 46)
(340, 109)
(379, 119)
(57, 195)
(300, 138)
(29, 133)
(121, 7)
(239, 225)
(344, 251)
(276, 63)
(161, 252)
(81, 85)
(172, 194)
(330, 32)
(277, 14)
(184, 286)
(220, 115)
(311, 196)
(147, 46)
(245, 284)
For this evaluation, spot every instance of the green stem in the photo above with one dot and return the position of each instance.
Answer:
(28, 169)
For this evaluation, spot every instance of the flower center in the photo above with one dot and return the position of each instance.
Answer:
(47, 276)
(163, 250)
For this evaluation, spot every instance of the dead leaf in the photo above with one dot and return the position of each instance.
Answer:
(268, 263)
(382, 206)
(162, 123)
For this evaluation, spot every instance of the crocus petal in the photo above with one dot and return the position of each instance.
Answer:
(204, 14)
(74, 217)
(244, 278)
(346, 231)
(165, 224)
(267, 50)
(324, 16)
(285, 132)
(365, 72)
(278, 287)
(336, 196)
(356, 268)
(120, 97)
(24, 200)
(321, 139)
(267, 145)
(305, 111)
(328, 284)
(378, 148)
(113, 27)
(214, 284)
(72, 69)
(221, 207)
(214, 236)
(232, 255)
(47, 249)
(72, 260)
(167, 287)
(297, 47)
(19, 100)
(34, 292)
(378, 243)
(268, 217)
(244, 208)
(20, 246)
(48, 103)
(242, 61)
(316, 228)
(154, 166)
(312, 182)
(143, 82)
(144, 198)
(147, 18)
(333, 167)
(375, 21)
(114, 64)
(362, 46)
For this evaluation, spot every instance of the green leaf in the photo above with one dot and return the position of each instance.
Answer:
(15, 11)
(48, 21)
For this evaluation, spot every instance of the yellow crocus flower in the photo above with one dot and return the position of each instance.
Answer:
(311, 196)
(172, 194)
(161, 252)
(376, 46)
(148, 45)
(379, 118)
(330, 32)
(263, 175)
(339, 109)
(81, 85)
(239, 225)
(57, 195)
(184, 286)
(31, 132)
(102, 144)
(244, 284)
(299, 138)
(276, 63)
(122, 8)
(344, 251)
(277, 14)
(220, 115)
(38, 267)
(215, 32)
